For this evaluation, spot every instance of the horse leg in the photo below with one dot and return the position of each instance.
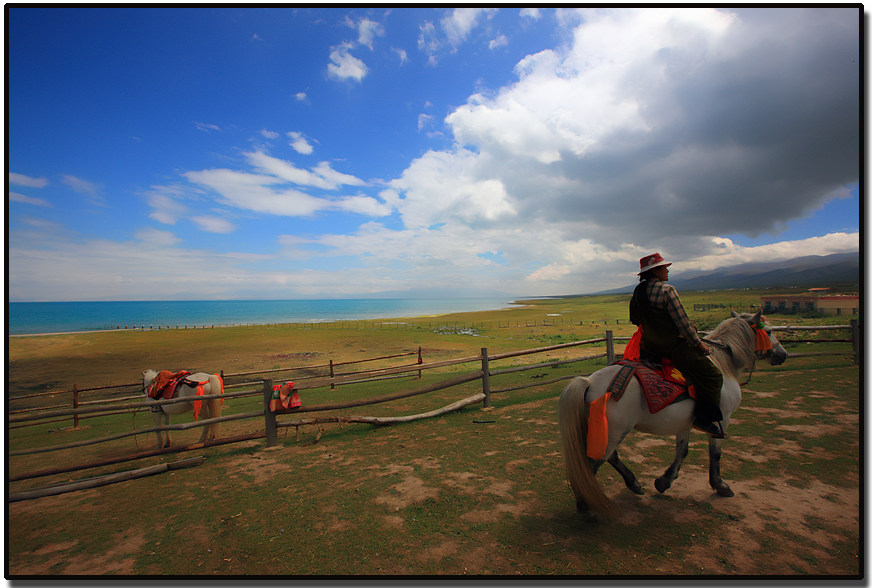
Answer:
(665, 481)
(213, 410)
(206, 414)
(628, 476)
(721, 487)
(160, 419)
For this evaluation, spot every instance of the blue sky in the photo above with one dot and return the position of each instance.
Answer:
(209, 153)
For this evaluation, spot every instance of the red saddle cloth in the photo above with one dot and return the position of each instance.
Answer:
(661, 386)
(165, 383)
(284, 397)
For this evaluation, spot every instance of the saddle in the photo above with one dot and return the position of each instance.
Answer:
(165, 383)
(662, 383)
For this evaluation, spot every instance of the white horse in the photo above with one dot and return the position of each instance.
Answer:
(211, 384)
(734, 349)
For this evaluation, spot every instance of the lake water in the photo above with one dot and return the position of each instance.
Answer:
(62, 317)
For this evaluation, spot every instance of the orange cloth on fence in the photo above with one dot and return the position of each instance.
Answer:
(284, 397)
(598, 428)
(633, 350)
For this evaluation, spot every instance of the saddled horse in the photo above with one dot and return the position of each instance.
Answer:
(189, 387)
(734, 349)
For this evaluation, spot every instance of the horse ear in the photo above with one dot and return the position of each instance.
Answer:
(756, 319)
(733, 314)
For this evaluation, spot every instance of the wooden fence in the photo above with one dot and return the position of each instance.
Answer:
(272, 423)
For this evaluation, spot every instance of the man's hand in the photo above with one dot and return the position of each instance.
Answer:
(703, 348)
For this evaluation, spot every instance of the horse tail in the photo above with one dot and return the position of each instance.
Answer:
(573, 414)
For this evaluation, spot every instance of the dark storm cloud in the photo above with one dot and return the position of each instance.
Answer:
(761, 131)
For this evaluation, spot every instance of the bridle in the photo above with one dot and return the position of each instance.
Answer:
(762, 345)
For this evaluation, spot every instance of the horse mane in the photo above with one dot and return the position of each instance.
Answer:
(739, 340)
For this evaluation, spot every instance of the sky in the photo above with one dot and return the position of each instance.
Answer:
(168, 153)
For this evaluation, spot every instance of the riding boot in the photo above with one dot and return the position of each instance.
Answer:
(707, 418)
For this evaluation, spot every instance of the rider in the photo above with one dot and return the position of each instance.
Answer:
(667, 332)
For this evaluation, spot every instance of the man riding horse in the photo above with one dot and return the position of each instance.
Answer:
(667, 333)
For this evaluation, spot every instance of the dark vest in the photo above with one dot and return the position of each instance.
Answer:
(659, 333)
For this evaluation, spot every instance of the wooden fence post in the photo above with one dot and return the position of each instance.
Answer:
(610, 347)
(75, 405)
(485, 377)
(420, 361)
(269, 416)
(332, 385)
(855, 340)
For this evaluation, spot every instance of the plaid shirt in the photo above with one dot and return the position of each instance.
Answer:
(665, 296)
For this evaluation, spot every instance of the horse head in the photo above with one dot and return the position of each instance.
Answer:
(775, 352)
(148, 377)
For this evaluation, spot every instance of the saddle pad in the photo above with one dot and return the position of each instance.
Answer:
(659, 391)
(165, 384)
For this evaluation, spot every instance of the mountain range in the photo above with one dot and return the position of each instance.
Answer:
(839, 269)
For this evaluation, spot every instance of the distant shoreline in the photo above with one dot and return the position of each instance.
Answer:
(204, 315)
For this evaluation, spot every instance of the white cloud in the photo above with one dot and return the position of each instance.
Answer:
(458, 23)
(343, 65)
(52, 266)
(364, 205)
(367, 31)
(299, 143)
(206, 127)
(455, 27)
(531, 13)
(401, 53)
(498, 41)
(89, 189)
(213, 224)
(268, 188)
(300, 96)
(724, 252)
(16, 197)
(27, 181)
(323, 176)
(256, 192)
(269, 134)
(335, 178)
(423, 121)
(165, 208)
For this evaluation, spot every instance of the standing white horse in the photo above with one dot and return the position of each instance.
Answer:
(189, 387)
(734, 349)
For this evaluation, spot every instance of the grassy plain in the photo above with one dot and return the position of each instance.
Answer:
(478, 491)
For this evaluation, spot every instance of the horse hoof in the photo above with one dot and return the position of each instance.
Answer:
(662, 485)
(636, 488)
(724, 491)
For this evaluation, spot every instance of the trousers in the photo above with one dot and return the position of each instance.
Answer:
(703, 374)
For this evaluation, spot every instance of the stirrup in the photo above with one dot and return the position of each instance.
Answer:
(712, 428)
